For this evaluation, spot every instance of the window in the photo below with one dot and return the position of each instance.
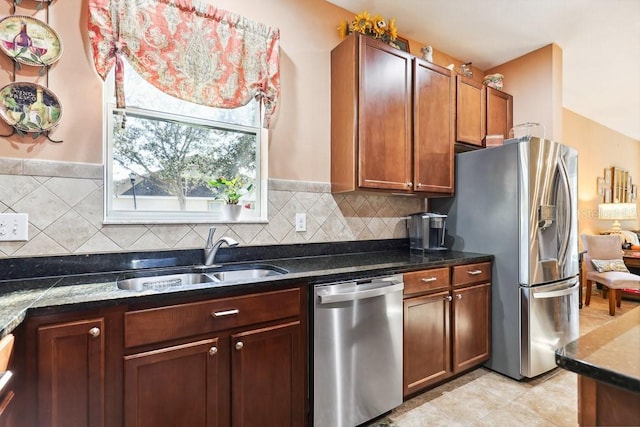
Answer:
(159, 164)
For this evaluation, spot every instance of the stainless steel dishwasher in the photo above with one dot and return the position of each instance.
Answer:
(357, 350)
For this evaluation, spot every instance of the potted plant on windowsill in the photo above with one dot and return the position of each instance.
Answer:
(231, 191)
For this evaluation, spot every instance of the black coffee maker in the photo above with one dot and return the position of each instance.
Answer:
(427, 231)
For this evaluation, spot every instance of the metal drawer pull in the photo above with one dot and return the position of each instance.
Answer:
(239, 345)
(213, 350)
(225, 313)
(94, 332)
(448, 298)
(474, 272)
(459, 296)
(429, 279)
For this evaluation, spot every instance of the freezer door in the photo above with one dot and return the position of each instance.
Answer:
(548, 221)
(549, 321)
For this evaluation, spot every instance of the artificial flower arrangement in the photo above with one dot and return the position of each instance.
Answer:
(375, 26)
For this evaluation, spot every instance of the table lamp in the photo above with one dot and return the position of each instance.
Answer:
(617, 212)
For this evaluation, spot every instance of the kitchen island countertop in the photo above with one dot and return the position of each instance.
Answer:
(608, 354)
(39, 295)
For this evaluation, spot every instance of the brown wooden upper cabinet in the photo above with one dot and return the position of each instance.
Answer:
(480, 111)
(499, 112)
(433, 128)
(391, 120)
(471, 107)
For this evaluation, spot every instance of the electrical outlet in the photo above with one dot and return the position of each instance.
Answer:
(14, 227)
(301, 222)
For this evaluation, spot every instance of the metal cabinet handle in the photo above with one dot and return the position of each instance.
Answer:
(213, 350)
(409, 184)
(474, 272)
(419, 185)
(94, 332)
(448, 298)
(225, 313)
(429, 279)
(239, 345)
(459, 296)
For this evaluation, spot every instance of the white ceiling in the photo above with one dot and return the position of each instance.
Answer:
(600, 41)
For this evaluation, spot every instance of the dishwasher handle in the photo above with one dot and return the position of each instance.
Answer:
(385, 288)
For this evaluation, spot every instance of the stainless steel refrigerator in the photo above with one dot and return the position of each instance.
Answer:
(518, 202)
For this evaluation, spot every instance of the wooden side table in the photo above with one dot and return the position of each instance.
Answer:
(632, 261)
(581, 277)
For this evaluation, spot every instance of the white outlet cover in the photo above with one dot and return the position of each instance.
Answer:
(301, 222)
(14, 227)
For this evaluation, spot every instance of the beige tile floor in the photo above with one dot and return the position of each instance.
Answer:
(485, 398)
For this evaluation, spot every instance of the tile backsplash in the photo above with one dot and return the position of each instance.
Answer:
(65, 206)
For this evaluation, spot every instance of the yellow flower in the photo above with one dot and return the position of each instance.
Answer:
(362, 22)
(379, 25)
(393, 30)
(342, 30)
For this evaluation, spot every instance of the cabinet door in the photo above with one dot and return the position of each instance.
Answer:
(471, 326)
(8, 415)
(470, 111)
(267, 377)
(426, 341)
(499, 112)
(433, 124)
(174, 386)
(384, 117)
(71, 373)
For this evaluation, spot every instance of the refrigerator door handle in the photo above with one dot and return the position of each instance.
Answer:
(566, 235)
(557, 293)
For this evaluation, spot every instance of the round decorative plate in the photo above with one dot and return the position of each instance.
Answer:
(29, 107)
(29, 41)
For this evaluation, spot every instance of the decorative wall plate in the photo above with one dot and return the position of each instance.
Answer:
(29, 41)
(29, 107)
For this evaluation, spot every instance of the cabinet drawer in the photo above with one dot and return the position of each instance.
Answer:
(426, 280)
(184, 320)
(471, 273)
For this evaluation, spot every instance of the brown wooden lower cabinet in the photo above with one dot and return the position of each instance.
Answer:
(601, 404)
(471, 326)
(173, 386)
(427, 342)
(71, 373)
(8, 414)
(253, 377)
(235, 361)
(445, 332)
(267, 377)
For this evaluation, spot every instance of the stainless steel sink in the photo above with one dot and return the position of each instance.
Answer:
(244, 274)
(217, 276)
(160, 283)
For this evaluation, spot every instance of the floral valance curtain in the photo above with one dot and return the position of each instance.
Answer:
(197, 53)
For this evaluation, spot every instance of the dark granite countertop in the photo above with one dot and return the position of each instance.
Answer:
(608, 354)
(92, 283)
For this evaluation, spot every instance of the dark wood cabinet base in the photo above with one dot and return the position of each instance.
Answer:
(605, 405)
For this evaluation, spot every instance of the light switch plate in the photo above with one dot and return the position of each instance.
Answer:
(14, 227)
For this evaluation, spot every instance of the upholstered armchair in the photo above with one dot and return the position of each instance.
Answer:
(603, 264)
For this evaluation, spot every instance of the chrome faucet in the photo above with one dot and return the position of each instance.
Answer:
(211, 248)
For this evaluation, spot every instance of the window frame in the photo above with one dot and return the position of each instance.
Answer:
(112, 216)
